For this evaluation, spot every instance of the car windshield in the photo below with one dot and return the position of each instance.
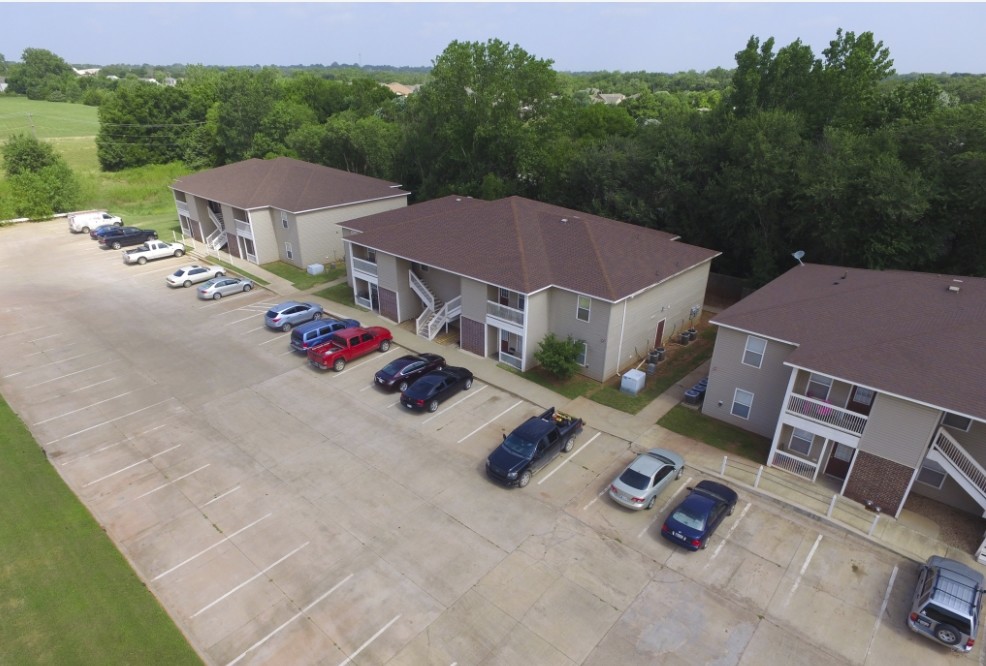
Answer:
(394, 367)
(689, 519)
(634, 479)
(519, 446)
(425, 385)
(273, 314)
(179, 272)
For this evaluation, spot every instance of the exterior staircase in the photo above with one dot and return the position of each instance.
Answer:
(217, 239)
(964, 470)
(437, 313)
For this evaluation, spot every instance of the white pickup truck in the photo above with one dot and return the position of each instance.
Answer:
(151, 250)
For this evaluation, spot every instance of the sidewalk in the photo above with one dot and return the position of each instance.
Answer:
(912, 536)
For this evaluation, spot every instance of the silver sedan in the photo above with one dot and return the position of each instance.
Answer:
(216, 288)
(638, 486)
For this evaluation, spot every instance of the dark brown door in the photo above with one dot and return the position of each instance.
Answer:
(660, 334)
(839, 460)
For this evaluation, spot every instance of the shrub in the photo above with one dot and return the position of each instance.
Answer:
(559, 357)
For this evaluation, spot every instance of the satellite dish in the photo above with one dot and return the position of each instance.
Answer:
(798, 255)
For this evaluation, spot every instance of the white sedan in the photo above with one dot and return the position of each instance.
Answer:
(186, 276)
(224, 286)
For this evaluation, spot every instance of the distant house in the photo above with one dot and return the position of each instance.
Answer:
(281, 209)
(401, 89)
(508, 272)
(3, 84)
(150, 80)
(170, 81)
(93, 71)
(868, 382)
(611, 99)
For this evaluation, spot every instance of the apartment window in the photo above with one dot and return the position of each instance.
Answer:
(418, 267)
(284, 220)
(801, 441)
(583, 357)
(180, 196)
(582, 314)
(742, 403)
(753, 354)
(932, 474)
(819, 386)
(863, 396)
(957, 422)
(288, 251)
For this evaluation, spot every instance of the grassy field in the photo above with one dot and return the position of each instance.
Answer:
(69, 597)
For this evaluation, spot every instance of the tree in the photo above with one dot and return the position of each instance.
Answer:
(40, 181)
(26, 154)
(142, 124)
(559, 357)
(244, 99)
(44, 75)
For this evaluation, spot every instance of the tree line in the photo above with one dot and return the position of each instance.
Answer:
(831, 153)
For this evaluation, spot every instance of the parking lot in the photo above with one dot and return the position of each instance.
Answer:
(287, 515)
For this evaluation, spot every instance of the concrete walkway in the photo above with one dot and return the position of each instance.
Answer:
(910, 536)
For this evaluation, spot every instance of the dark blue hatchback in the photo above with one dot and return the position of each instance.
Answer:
(692, 522)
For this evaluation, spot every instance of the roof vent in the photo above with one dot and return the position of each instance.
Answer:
(954, 288)
(564, 220)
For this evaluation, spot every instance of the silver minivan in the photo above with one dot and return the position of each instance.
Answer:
(947, 601)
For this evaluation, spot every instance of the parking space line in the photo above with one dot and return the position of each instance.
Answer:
(280, 337)
(53, 335)
(660, 512)
(26, 330)
(45, 351)
(215, 545)
(77, 372)
(804, 567)
(289, 621)
(213, 301)
(37, 423)
(83, 388)
(358, 363)
(883, 609)
(567, 458)
(728, 534)
(230, 323)
(259, 328)
(371, 639)
(136, 411)
(471, 394)
(248, 580)
(173, 481)
(45, 365)
(489, 422)
(219, 497)
(139, 462)
(92, 453)
(596, 498)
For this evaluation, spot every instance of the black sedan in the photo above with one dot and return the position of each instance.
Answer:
(402, 372)
(692, 522)
(436, 386)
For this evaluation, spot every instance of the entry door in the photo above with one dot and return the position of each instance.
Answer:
(839, 460)
(660, 334)
(374, 297)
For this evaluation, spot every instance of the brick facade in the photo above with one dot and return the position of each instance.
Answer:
(879, 480)
(471, 337)
(388, 303)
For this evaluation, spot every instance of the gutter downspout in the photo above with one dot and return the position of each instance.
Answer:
(619, 349)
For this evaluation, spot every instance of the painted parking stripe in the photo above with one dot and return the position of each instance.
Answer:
(804, 567)
(45, 365)
(490, 421)
(26, 330)
(370, 640)
(289, 621)
(82, 408)
(77, 372)
(98, 425)
(728, 534)
(230, 323)
(219, 497)
(267, 342)
(660, 512)
(206, 550)
(46, 351)
(53, 335)
(568, 457)
(248, 581)
(173, 481)
(471, 394)
(124, 469)
(92, 453)
(89, 386)
(596, 498)
(362, 361)
(883, 609)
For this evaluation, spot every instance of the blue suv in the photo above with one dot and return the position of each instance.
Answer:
(316, 332)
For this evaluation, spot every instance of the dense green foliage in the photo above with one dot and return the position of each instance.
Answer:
(834, 154)
(39, 180)
(557, 356)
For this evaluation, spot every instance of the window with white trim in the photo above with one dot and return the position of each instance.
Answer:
(932, 474)
(371, 255)
(863, 396)
(583, 357)
(742, 404)
(819, 386)
(800, 441)
(284, 219)
(958, 422)
(288, 250)
(753, 353)
(584, 305)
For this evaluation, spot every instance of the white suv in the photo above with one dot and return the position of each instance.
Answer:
(947, 601)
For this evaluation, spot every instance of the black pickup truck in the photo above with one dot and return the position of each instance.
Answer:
(117, 237)
(531, 446)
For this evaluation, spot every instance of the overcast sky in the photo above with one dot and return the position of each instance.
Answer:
(655, 37)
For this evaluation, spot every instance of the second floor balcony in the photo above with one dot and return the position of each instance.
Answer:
(828, 414)
(504, 312)
(364, 266)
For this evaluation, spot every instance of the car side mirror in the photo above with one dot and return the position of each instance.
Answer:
(504, 436)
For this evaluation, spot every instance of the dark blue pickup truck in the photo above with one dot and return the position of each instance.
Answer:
(117, 237)
(531, 446)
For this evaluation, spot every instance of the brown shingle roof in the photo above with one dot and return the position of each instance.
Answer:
(526, 246)
(284, 183)
(895, 331)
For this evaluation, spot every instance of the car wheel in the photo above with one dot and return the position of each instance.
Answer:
(216, 296)
(286, 327)
(142, 260)
(569, 443)
(154, 235)
(525, 478)
(116, 245)
(339, 364)
(650, 504)
(317, 315)
(247, 287)
(680, 472)
(402, 387)
(730, 512)
(220, 274)
(947, 634)
(468, 384)
(433, 406)
(187, 284)
(85, 230)
(178, 253)
(705, 544)
(385, 345)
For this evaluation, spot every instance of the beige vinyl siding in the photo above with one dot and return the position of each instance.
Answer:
(951, 494)
(899, 430)
(318, 235)
(474, 296)
(538, 320)
(562, 321)
(264, 240)
(289, 235)
(768, 383)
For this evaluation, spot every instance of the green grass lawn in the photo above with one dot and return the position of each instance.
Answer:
(692, 423)
(301, 279)
(69, 596)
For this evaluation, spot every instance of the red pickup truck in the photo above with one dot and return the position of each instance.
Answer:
(348, 345)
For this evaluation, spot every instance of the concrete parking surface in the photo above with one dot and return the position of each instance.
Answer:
(284, 515)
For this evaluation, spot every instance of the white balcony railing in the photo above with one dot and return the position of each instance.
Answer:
(961, 459)
(182, 208)
(803, 468)
(823, 412)
(505, 312)
(364, 301)
(511, 360)
(364, 266)
(243, 229)
(422, 290)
